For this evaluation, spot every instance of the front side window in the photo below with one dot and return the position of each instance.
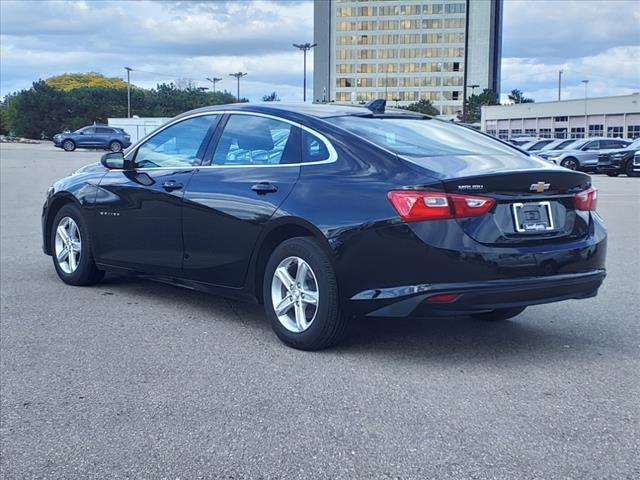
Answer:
(423, 137)
(254, 140)
(176, 146)
(592, 146)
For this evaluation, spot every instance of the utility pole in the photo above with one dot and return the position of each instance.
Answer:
(238, 76)
(128, 69)
(305, 47)
(213, 81)
(559, 84)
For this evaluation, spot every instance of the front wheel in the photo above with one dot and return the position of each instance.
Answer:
(612, 174)
(498, 315)
(301, 298)
(69, 145)
(629, 170)
(71, 248)
(570, 163)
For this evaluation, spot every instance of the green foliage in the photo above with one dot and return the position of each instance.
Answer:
(516, 96)
(272, 97)
(42, 111)
(474, 105)
(71, 81)
(423, 106)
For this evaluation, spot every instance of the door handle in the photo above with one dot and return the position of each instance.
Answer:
(263, 188)
(171, 185)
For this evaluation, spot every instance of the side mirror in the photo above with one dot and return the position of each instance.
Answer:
(113, 160)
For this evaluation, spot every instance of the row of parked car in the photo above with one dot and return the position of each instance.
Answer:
(612, 156)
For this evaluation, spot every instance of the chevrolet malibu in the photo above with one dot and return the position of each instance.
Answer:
(322, 212)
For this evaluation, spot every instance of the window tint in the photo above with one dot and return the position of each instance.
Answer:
(592, 145)
(103, 130)
(313, 149)
(253, 140)
(423, 137)
(88, 130)
(177, 145)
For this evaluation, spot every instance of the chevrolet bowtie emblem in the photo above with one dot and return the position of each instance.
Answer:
(539, 187)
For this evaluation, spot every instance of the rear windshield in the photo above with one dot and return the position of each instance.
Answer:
(423, 137)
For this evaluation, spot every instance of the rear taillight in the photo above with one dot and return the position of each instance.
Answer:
(587, 200)
(418, 205)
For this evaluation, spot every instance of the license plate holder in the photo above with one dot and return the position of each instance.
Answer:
(532, 217)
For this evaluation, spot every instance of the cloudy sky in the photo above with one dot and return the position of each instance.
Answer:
(162, 41)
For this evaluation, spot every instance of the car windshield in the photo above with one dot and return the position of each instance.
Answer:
(635, 144)
(423, 137)
(80, 130)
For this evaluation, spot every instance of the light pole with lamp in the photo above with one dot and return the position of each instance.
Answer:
(238, 76)
(305, 47)
(586, 126)
(213, 81)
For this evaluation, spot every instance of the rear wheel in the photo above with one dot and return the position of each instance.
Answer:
(301, 298)
(71, 248)
(570, 163)
(499, 315)
(115, 146)
(69, 145)
(628, 169)
(612, 174)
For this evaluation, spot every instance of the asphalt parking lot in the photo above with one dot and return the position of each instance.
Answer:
(133, 379)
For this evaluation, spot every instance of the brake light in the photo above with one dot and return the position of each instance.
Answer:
(587, 200)
(418, 205)
(443, 298)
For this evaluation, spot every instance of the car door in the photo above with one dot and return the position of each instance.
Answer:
(87, 137)
(103, 136)
(589, 155)
(255, 162)
(138, 210)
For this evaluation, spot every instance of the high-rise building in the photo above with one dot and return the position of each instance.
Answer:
(406, 50)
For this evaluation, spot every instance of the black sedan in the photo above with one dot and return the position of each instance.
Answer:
(322, 212)
(620, 161)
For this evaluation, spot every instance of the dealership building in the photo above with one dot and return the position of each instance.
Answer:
(406, 50)
(586, 117)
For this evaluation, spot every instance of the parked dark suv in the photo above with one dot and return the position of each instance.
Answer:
(94, 136)
(620, 161)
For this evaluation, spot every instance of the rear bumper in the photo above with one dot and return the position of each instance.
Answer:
(478, 296)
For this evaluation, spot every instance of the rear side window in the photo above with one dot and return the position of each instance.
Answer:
(103, 130)
(313, 149)
(254, 140)
(423, 137)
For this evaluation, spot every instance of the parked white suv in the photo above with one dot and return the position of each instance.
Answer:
(583, 153)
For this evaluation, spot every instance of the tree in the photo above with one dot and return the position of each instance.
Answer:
(516, 96)
(423, 106)
(474, 105)
(272, 97)
(71, 81)
(44, 110)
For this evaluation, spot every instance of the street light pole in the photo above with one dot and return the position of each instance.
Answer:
(586, 82)
(128, 69)
(213, 81)
(305, 47)
(238, 76)
(559, 84)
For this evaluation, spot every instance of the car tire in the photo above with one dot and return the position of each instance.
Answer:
(499, 314)
(68, 145)
(612, 174)
(570, 163)
(628, 169)
(75, 267)
(300, 323)
(115, 146)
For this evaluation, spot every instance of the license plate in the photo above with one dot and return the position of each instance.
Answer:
(532, 217)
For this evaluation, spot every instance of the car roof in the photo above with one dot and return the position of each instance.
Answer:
(318, 110)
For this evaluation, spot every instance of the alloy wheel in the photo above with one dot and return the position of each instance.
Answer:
(570, 163)
(116, 147)
(294, 294)
(68, 245)
(68, 145)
